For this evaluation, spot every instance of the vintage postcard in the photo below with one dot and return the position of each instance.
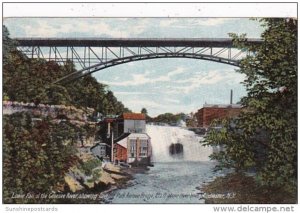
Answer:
(141, 109)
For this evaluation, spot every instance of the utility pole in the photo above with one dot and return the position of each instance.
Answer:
(110, 133)
(231, 96)
(112, 146)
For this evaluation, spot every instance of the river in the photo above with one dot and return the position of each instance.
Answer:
(169, 182)
(174, 178)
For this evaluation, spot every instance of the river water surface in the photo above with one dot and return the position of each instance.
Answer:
(170, 182)
(174, 178)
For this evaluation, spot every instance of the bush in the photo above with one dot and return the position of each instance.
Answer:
(88, 166)
(36, 155)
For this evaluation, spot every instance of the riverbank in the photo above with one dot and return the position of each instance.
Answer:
(112, 177)
(237, 188)
(166, 183)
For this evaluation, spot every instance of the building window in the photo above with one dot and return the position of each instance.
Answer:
(132, 148)
(139, 126)
(131, 130)
(143, 154)
(143, 148)
(143, 143)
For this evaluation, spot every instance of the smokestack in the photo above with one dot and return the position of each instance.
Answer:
(231, 94)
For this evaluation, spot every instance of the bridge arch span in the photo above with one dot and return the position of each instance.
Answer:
(118, 61)
(95, 54)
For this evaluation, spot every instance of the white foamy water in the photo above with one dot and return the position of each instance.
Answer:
(171, 180)
(164, 136)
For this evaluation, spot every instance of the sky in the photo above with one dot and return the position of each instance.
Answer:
(160, 85)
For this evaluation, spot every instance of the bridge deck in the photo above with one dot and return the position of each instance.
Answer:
(130, 42)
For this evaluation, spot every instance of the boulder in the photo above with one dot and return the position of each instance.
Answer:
(73, 184)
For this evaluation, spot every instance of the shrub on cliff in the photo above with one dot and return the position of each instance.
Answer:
(36, 156)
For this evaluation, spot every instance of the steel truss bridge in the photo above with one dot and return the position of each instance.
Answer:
(93, 54)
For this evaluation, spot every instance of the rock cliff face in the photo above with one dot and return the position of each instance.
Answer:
(101, 178)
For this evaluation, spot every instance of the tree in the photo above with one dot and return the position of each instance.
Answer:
(36, 155)
(264, 137)
(168, 118)
(144, 111)
(56, 95)
(8, 44)
(30, 80)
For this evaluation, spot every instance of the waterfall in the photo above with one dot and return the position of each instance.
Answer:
(162, 137)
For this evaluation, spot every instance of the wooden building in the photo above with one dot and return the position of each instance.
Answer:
(130, 123)
(134, 149)
(101, 150)
(120, 153)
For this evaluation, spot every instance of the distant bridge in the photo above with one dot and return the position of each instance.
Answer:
(94, 54)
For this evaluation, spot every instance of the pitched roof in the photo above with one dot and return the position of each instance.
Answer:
(123, 142)
(124, 135)
(139, 135)
(98, 144)
(133, 116)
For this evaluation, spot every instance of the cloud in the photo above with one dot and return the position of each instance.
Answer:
(168, 22)
(139, 103)
(172, 100)
(139, 27)
(209, 21)
(137, 79)
(177, 71)
(42, 28)
(105, 27)
(60, 27)
(193, 22)
(173, 84)
(147, 78)
(132, 93)
(212, 77)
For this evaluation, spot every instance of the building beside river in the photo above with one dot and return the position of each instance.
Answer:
(132, 144)
(210, 112)
(101, 150)
(130, 123)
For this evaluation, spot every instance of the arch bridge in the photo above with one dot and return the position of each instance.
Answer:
(94, 54)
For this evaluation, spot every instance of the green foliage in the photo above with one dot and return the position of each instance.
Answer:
(241, 188)
(96, 174)
(56, 95)
(36, 155)
(264, 136)
(88, 166)
(30, 80)
(89, 130)
(168, 118)
(8, 45)
(144, 111)
(230, 138)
